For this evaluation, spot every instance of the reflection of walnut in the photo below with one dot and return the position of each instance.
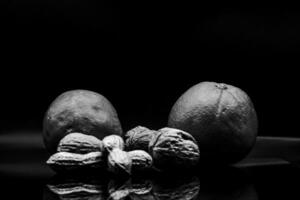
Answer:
(138, 138)
(141, 160)
(119, 162)
(187, 189)
(173, 148)
(80, 143)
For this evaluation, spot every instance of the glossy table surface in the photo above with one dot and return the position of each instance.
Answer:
(271, 171)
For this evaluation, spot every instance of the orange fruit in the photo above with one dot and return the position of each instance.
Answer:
(220, 117)
(80, 111)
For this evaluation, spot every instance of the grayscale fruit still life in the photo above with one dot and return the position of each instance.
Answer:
(211, 123)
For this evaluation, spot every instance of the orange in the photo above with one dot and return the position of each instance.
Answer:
(80, 111)
(220, 117)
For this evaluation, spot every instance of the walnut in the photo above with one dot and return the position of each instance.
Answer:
(173, 148)
(138, 138)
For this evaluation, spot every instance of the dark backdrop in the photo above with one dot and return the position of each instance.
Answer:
(143, 58)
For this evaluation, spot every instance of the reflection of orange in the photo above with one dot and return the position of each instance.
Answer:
(79, 111)
(222, 119)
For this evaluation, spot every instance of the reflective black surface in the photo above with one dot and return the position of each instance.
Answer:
(24, 175)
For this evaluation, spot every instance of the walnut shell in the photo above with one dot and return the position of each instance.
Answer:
(172, 148)
(79, 143)
(141, 160)
(119, 162)
(138, 138)
(113, 141)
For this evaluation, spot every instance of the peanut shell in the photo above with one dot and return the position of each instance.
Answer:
(73, 161)
(141, 160)
(79, 143)
(119, 162)
(113, 141)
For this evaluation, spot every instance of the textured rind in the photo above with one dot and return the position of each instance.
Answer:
(173, 148)
(80, 143)
(119, 162)
(139, 138)
(69, 161)
(79, 111)
(222, 119)
(141, 160)
(113, 141)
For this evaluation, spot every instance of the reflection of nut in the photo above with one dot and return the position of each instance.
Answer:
(119, 194)
(172, 148)
(113, 141)
(119, 162)
(141, 160)
(118, 190)
(80, 143)
(138, 138)
(141, 189)
(142, 196)
(142, 186)
(74, 189)
(73, 161)
(173, 190)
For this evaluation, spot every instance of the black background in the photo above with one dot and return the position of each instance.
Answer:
(142, 56)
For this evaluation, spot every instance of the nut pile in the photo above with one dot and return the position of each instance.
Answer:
(77, 151)
(82, 131)
(143, 150)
